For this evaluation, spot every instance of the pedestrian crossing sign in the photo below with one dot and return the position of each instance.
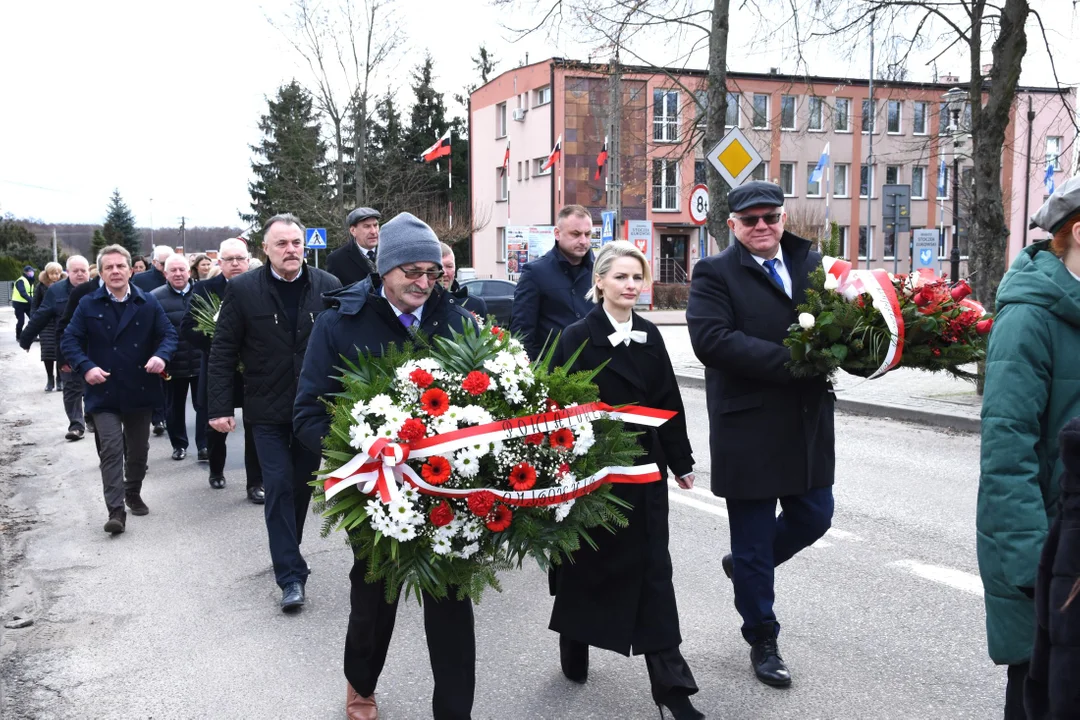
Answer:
(734, 157)
(316, 239)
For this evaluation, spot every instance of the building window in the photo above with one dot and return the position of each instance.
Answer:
(538, 167)
(866, 245)
(892, 174)
(500, 242)
(842, 115)
(866, 180)
(813, 189)
(500, 121)
(918, 182)
(1053, 152)
(758, 173)
(761, 111)
(519, 171)
(943, 182)
(787, 112)
(787, 178)
(843, 240)
(889, 246)
(501, 182)
(945, 119)
(869, 117)
(814, 115)
(893, 122)
(700, 178)
(840, 180)
(701, 108)
(731, 119)
(542, 96)
(665, 185)
(919, 118)
(665, 115)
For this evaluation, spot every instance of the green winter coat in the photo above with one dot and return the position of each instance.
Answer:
(1032, 390)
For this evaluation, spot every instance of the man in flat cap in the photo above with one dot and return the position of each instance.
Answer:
(354, 261)
(771, 435)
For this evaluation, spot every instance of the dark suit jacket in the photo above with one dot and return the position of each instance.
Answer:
(149, 280)
(550, 295)
(770, 434)
(77, 294)
(348, 264)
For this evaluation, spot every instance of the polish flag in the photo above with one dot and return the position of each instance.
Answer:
(553, 157)
(441, 148)
(601, 159)
(506, 158)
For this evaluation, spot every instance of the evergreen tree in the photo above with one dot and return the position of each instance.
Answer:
(428, 120)
(20, 245)
(97, 242)
(120, 225)
(290, 167)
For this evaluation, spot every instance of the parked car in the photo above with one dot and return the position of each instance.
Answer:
(498, 294)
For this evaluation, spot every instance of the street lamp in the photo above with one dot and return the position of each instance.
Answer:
(954, 102)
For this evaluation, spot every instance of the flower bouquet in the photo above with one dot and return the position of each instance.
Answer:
(451, 459)
(205, 311)
(867, 322)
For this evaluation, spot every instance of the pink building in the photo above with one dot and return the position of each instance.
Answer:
(788, 119)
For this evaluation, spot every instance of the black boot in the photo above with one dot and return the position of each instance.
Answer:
(574, 657)
(765, 658)
(49, 385)
(117, 521)
(680, 707)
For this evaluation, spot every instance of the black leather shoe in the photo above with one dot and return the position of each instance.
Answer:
(728, 564)
(217, 482)
(768, 665)
(179, 454)
(135, 502)
(680, 707)
(574, 658)
(204, 455)
(49, 386)
(256, 495)
(116, 522)
(75, 432)
(292, 597)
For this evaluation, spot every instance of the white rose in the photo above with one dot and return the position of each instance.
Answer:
(806, 320)
(831, 283)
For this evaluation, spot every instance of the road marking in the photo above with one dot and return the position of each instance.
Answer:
(708, 507)
(821, 544)
(946, 576)
(843, 535)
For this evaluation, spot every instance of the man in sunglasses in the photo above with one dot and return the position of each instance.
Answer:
(771, 436)
(376, 312)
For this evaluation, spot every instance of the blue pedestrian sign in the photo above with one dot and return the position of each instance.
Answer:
(316, 239)
(607, 228)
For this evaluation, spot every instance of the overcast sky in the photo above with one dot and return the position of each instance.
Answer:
(161, 100)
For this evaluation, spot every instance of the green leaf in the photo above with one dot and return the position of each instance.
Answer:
(839, 351)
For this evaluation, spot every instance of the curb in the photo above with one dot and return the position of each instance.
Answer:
(959, 423)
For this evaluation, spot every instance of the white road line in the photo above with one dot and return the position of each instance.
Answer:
(946, 576)
(821, 544)
(843, 535)
(708, 507)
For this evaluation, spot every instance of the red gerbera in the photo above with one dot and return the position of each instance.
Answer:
(480, 503)
(442, 514)
(522, 476)
(421, 378)
(500, 519)
(436, 470)
(476, 383)
(562, 439)
(412, 429)
(434, 402)
(534, 439)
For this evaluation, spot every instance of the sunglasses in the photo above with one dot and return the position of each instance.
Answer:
(749, 221)
(414, 274)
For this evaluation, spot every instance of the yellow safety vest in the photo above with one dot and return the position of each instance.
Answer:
(24, 294)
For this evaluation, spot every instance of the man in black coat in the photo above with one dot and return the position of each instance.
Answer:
(52, 307)
(153, 278)
(550, 293)
(175, 297)
(233, 256)
(264, 323)
(355, 260)
(771, 436)
(368, 316)
(473, 303)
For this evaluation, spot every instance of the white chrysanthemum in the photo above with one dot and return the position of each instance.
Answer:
(403, 533)
(440, 425)
(468, 551)
(429, 364)
(472, 529)
(359, 411)
(408, 492)
(514, 395)
(402, 510)
(358, 433)
(466, 464)
(477, 450)
(441, 545)
(516, 345)
(388, 431)
(380, 404)
(476, 415)
(567, 480)
(563, 509)
(522, 359)
(583, 445)
(453, 414)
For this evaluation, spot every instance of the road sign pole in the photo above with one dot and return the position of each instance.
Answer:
(896, 235)
(316, 258)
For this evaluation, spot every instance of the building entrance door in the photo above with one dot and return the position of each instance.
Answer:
(674, 258)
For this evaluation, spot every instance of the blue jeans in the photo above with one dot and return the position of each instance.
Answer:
(761, 540)
(287, 468)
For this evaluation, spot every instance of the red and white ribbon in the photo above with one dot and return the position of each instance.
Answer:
(852, 283)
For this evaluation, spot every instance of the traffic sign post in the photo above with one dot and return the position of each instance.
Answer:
(896, 212)
(699, 204)
(924, 249)
(315, 240)
(734, 157)
(607, 226)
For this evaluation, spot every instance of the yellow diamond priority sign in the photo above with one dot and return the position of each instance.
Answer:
(734, 158)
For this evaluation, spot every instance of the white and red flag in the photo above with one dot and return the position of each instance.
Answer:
(601, 160)
(553, 156)
(506, 157)
(441, 148)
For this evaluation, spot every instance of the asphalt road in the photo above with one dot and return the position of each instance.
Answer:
(178, 617)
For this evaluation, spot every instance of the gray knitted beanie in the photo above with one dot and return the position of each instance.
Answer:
(406, 239)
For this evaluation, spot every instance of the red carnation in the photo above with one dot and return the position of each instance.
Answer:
(442, 514)
(960, 291)
(436, 470)
(412, 429)
(476, 383)
(562, 439)
(421, 378)
(500, 520)
(563, 470)
(983, 326)
(551, 405)
(497, 331)
(522, 476)
(434, 402)
(481, 502)
(534, 439)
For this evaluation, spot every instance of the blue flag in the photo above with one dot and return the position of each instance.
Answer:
(941, 179)
(1048, 181)
(822, 163)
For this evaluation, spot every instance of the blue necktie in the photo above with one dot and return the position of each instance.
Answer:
(770, 267)
(407, 319)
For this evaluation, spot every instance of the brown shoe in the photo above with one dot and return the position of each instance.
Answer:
(358, 707)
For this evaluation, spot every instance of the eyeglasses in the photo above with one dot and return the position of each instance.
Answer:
(414, 274)
(233, 259)
(750, 221)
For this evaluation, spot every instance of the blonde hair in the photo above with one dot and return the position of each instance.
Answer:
(48, 270)
(215, 270)
(606, 258)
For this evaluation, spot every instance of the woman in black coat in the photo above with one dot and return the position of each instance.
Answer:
(53, 272)
(1052, 690)
(620, 596)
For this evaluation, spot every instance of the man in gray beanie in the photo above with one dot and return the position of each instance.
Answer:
(369, 316)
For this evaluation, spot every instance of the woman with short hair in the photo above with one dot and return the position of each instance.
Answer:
(52, 273)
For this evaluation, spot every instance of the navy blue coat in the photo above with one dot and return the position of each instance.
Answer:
(149, 280)
(770, 435)
(548, 298)
(358, 318)
(94, 339)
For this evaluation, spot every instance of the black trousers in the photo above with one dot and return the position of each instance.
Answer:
(451, 641)
(22, 311)
(669, 674)
(1014, 691)
(216, 448)
(176, 392)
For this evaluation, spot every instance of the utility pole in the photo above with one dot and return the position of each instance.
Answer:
(870, 162)
(614, 165)
(183, 233)
(54, 255)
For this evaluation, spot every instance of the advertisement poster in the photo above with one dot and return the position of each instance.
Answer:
(640, 232)
(517, 250)
(541, 238)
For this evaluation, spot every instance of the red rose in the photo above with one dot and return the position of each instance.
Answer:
(534, 439)
(412, 429)
(434, 402)
(562, 439)
(421, 378)
(436, 470)
(960, 290)
(522, 476)
(551, 405)
(476, 383)
(983, 326)
(497, 331)
(442, 514)
(500, 519)
(480, 503)
(920, 300)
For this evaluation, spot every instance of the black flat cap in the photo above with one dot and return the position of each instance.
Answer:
(360, 214)
(1059, 207)
(755, 192)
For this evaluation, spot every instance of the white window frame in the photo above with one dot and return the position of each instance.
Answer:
(869, 244)
(810, 103)
(872, 115)
(846, 115)
(789, 190)
(794, 112)
(926, 117)
(898, 169)
(899, 105)
(754, 112)
(810, 168)
(918, 191)
(846, 167)
(500, 121)
(541, 96)
(666, 190)
(1053, 157)
(666, 125)
(732, 96)
(538, 164)
(701, 108)
(502, 184)
(759, 173)
(896, 241)
(870, 184)
(845, 234)
(500, 244)
(948, 183)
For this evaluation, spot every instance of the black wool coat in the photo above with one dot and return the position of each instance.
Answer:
(620, 596)
(252, 329)
(73, 299)
(348, 264)
(48, 304)
(149, 280)
(187, 358)
(216, 286)
(1052, 690)
(550, 295)
(770, 435)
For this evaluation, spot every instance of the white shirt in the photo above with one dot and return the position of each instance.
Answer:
(112, 297)
(274, 273)
(781, 269)
(417, 313)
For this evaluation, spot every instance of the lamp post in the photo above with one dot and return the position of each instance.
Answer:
(954, 101)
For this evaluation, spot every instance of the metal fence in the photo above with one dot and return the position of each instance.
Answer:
(6, 288)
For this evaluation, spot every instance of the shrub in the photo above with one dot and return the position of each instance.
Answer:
(10, 268)
(670, 296)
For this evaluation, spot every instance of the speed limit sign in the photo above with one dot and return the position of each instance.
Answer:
(699, 204)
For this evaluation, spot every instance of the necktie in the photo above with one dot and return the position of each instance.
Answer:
(407, 319)
(625, 335)
(371, 255)
(770, 267)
